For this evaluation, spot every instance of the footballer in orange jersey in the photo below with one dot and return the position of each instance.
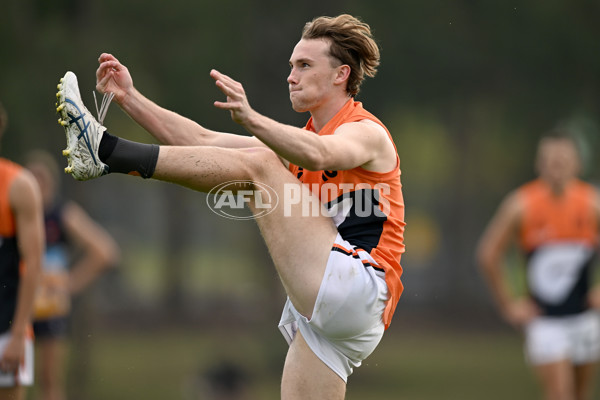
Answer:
(554, 219)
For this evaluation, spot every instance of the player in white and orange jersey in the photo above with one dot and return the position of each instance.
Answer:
(340, 265)
(555, 221)
(21, 249)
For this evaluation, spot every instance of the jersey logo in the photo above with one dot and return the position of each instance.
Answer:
(325, 176)
(328, 174)
(554, 270)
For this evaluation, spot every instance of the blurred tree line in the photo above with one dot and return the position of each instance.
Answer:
(466, 87)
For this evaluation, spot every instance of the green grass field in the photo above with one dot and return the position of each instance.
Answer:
(417, 365)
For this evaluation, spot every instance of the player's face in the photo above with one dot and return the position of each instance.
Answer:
(312, 74)
(558, 161)
(45, 181)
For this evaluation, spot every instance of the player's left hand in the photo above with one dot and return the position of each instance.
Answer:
(237, 102)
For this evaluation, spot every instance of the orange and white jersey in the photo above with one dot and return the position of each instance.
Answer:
(367, 207)
(559, 235)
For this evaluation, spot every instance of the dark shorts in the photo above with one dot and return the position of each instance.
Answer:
(50, 328)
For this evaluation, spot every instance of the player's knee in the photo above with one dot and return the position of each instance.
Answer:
(262, 161)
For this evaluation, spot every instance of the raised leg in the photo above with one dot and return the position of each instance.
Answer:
(299, 240)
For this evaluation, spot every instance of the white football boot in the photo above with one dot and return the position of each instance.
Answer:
(83, 132)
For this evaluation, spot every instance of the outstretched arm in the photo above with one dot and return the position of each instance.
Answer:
(363, 143)
(26, 203)
(166, 126)
(490, 252)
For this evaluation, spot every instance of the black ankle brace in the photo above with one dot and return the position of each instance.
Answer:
(127, 157)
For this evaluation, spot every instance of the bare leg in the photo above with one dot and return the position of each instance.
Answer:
(584, 381)
(557, 380)
(305, 377)
(299, 244)
(52, 369)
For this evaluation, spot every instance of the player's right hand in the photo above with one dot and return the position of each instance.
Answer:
(520, 312)
(13, 354)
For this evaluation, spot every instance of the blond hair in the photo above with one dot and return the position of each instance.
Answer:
(351, 42)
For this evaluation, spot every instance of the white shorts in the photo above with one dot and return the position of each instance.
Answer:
(574, 337)
(24, 377)
(346, 323)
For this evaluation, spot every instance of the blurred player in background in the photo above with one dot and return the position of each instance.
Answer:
(337, 251)
(555, 220)
(21, 249)
(78, 250)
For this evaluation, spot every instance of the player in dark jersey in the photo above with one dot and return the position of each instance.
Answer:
(555, 221)
(342, 290)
